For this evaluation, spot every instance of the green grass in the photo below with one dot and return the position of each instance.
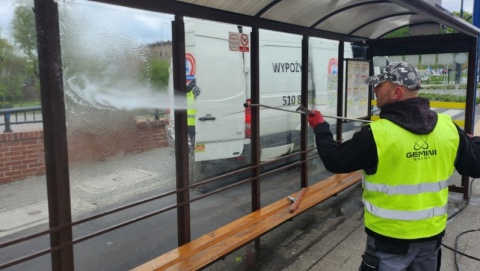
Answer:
(26, 104)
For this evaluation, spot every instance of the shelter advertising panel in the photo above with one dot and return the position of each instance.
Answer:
(356, 97)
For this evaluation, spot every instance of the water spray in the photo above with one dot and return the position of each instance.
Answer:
(303, 110)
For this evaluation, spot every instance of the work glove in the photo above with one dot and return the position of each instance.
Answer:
(196, 92)
(315, 118)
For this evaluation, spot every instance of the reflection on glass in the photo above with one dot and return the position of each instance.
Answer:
(444, 81)
(23, 191)
(116, 64)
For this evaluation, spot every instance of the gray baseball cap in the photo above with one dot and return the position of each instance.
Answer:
(400, 73)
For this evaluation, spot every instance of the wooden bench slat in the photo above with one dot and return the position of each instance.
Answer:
(214, 245)
(239, 239)
(185, 251)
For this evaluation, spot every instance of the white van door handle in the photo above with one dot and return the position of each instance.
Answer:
(207, 117)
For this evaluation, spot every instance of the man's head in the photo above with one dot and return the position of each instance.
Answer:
(398, 81)
(399, 73)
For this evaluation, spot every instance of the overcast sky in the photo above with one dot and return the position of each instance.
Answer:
(143, 25)
(454, 5)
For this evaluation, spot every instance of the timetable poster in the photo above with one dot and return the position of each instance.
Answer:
(356, 100)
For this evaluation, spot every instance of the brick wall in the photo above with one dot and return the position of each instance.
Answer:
(22, 153)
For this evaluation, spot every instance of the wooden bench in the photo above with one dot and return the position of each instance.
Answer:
(214, 245)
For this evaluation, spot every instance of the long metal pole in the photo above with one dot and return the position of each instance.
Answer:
(301, 112)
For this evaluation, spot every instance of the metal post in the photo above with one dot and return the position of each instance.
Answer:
(7, 123)
(255, 143)
(340, 103)
(458, 66)
(471, 96)
(461, 10)
(181, 137)
(304, 127)
(55, 132)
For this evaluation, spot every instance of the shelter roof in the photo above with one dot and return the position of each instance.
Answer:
(348, 20)
(367, 19)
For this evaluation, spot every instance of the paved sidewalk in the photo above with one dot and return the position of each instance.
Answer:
(331, 237)
(23, 204)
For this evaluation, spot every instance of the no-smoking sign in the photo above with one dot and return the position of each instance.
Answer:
(238, 42)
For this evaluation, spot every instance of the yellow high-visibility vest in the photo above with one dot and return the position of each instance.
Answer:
(191, 109)
(407, 197)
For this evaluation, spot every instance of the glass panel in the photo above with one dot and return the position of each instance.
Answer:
(116, 65)
(280, 87)
(444, 81)
(23, 192)
(323, 95)
(217, 74)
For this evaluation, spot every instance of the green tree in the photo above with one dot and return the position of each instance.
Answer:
(399, 33)
(24, 34)
(466, 16)
(12, 73)
(24, 31)
(157, 73)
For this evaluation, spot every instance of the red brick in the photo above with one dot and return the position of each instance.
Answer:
(10, 144)
(17, 148)
(29, 161)
(13, 173)
(6, 180)
(14, 155)
(29, 143)
(19, 167)
(13, 163)
(32, 171)
(36, 165)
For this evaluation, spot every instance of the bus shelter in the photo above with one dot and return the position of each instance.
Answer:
(357, 29)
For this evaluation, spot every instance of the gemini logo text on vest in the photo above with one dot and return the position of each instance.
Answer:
(421, 150)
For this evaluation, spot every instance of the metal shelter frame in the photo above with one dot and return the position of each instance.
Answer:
(292, 16)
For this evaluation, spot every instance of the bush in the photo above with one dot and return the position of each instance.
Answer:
(446, 97)
(5, 105)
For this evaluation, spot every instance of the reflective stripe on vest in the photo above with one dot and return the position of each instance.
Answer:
(406, 189)
(407, 197)
(405, 215)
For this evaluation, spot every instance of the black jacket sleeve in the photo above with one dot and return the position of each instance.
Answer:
(360, 152)
(468, 156)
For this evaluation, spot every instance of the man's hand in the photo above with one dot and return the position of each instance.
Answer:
(315, 118)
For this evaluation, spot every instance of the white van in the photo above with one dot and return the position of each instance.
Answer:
(223, 76)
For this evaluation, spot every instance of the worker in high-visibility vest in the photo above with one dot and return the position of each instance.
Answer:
(407, 158)
(192, 93)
